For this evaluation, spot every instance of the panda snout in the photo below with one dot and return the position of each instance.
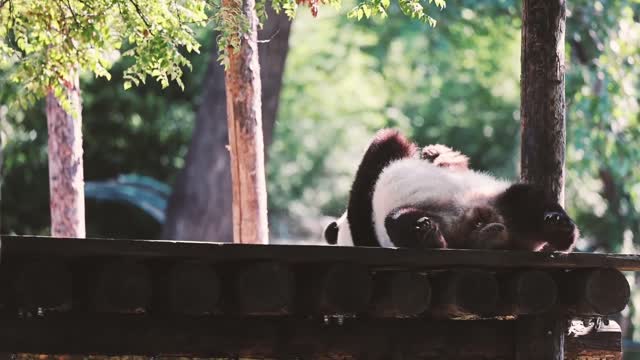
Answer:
(331, 233)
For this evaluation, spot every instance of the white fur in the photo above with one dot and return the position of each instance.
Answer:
(412, 181)
(344, 232)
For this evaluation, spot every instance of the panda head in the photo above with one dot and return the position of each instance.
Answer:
(338, 232)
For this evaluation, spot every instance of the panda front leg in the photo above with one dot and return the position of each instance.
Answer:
(413, 228)
(559, 229)
(534, 221)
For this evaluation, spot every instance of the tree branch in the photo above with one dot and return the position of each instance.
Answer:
(141, 15)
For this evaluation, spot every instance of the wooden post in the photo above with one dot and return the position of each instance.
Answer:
(246, 143)
(66, 173)
(3, 113)
(542, 115)
(540, 337)
(542, 110)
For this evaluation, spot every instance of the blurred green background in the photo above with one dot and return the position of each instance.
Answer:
(456, 84)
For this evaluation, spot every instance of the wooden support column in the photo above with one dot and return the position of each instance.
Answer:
(542, 110)
(540, 337)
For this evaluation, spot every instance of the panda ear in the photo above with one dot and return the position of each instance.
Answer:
(331, 233)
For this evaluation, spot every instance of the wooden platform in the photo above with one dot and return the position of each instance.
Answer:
(100, 296)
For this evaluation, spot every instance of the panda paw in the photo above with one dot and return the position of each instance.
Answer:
(412, 228)
(443, 156)
(559, 230)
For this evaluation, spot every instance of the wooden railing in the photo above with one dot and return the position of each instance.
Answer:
(97, 296)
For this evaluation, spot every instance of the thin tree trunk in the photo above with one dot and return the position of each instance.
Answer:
(200, 204)
(3, 113)
(542, 109)
(66, 175)
(246, 143)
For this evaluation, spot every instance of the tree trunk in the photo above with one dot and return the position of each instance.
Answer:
(66, 175)
(542, 110)
(200, 204)
(3, 112)
(246, 143)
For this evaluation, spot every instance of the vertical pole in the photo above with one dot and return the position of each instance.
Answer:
(540, 337)
(66, 174)
(542, 152)
(246, 143)
(542, 110)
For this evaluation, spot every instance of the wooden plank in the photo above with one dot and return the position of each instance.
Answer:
(42, 284)
(527, 292)
(192, 289)
(21, 246)
(263, 288)
(464, 294)
(594, 341)
(540, 337)
(594, 291)
(398, 294)
(336, 289)
(120, 286)
(260, 337)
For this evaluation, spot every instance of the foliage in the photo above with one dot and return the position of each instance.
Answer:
(44, 42)
(381, 76)
(143, 130)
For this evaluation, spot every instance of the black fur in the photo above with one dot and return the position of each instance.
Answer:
(526, 220)
(387, 146)
(331, 233)
(533, 220)
(413, 228)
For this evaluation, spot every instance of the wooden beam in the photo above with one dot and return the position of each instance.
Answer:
(464, 294)
(527, 292)
(336, 289)
(42, 284)
(540, 337)
(193, 289)
(263, 288)
(400, 294)
(595, 340)
(259, 337)
(594, 291)
(542, 109)
(288, 338)
(120, 286)
(376, 258)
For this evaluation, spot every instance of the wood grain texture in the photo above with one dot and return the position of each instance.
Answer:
(120, 286)
(594, 291)
(42, 284)
(527, 292)
(339, 288)
(263, 288)
(542, 109)
(464, 294)
(246, 142)
(66, 172)
(400, 294)
(540, 337)
(594, 341)
(282, 338)
(200, 206)
(377, 258)
(287, 338)
(193, 288)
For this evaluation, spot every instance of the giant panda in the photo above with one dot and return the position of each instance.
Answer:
(403, 196)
